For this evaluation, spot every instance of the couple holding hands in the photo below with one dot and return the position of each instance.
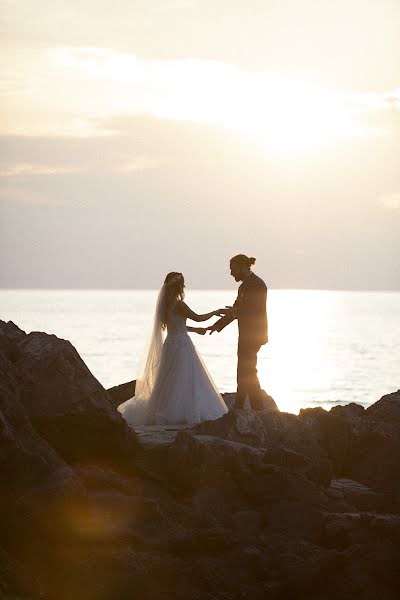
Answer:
(173, 385)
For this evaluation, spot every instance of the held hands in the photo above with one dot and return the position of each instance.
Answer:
(221, 312)
(200, 330)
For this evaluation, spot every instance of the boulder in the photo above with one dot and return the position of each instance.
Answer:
(372, 456)
(120, 393)
(279, 434)
(349, 411)
(387, 409)
(28, 464)
(319, 471)
(64, 401)
(357, 495)
(288, 502)
(342, 530)
(38, 488)
(332, 434)
(261, 429)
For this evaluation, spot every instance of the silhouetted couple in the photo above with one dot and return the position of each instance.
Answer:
(173, 385)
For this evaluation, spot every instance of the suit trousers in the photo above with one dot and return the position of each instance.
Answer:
(247, 379)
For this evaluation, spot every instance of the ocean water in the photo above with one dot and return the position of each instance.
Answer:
(326, 347)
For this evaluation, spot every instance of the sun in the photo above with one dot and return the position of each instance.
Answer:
(288, 115)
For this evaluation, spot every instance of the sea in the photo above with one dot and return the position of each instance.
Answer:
(326, 348)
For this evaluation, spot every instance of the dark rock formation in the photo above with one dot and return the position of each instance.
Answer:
(260, 505)
(120, 393)
(63, 400)
(386, 410)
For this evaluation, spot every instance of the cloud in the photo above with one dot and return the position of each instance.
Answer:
(27, 169)
(72, 91)
(391, 201)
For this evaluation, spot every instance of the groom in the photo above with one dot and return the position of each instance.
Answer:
(250, 309)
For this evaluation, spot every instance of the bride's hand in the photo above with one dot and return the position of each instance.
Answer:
(201, 330)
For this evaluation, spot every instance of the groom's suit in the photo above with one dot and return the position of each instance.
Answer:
(250, 309)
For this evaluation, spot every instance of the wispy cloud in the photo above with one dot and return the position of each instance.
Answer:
(27, 169)
(71, 91)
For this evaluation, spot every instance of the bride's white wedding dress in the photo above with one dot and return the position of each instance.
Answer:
(181, 389)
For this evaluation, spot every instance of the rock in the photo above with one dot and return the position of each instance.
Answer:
(319, 471)
(247, 524)
(64, 401)
(334, 492)
(120, 393)
(215, 505)
(349, 411)
(151, 455)
(372, 457)
(38, 489)
(387, 409)
(198, 460)
(279, 434)
(290, 502)
(343, 530)
(261, 505)
(332, 433)
(10, 586)
(28, 464)
(295, 518)
(268, 403)
(357, 494)
(229, 399)
(260, 429)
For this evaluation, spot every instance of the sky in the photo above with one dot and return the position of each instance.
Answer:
(141, 137)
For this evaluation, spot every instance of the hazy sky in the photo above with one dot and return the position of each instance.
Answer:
(139, 137)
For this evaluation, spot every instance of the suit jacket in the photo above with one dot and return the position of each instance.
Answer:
(250, 309)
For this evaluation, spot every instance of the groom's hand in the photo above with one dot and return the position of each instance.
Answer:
(225, 311)
(212, 328)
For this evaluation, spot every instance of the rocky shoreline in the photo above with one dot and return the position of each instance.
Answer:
(265, 505)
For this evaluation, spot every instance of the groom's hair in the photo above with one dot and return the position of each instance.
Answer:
(242, 259)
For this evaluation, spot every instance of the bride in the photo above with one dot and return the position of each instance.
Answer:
(174, 385)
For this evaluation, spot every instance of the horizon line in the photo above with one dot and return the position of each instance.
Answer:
(194, 289)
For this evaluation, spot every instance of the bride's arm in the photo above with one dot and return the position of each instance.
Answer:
(199, 330)
(183, 309)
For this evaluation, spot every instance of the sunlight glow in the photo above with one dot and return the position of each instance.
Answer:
(290, 362)
(78, 91)
(282, 112)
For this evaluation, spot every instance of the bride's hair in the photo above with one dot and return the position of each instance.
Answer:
(243, 260)
(174, 290)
